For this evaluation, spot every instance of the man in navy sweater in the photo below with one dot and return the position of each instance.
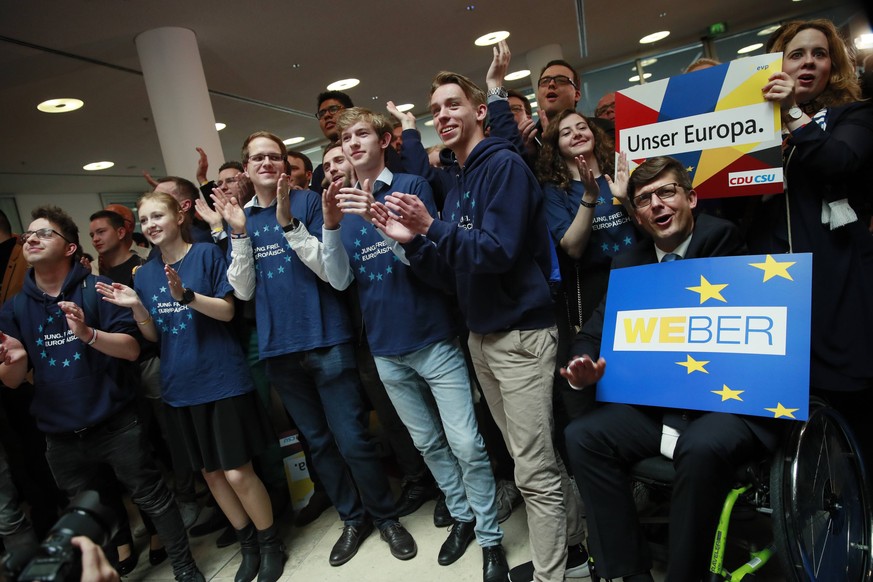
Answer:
(82, 352)
(491, 248)
(305, 338)
(413, 339)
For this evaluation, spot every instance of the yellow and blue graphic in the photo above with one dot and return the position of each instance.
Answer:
(724, 334)
(714, 120)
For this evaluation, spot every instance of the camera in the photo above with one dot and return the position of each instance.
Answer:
(56, 558)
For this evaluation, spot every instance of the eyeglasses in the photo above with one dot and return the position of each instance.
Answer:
(558, 80)
(258, 158)
(665, 192)
(42, 234)
(328, 110)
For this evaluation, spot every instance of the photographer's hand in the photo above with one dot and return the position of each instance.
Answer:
(95, 566)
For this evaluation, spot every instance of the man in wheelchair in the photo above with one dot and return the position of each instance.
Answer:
(604, 444)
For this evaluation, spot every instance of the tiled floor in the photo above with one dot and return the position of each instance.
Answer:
(309, 547)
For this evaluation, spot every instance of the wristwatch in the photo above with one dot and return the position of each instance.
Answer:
(498, 92)
(291, 225)
(187, 296)
(794, 113)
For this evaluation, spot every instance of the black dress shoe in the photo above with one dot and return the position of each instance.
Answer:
(494, 566)
(456, 544)
(348, 543)
(127, 565)
(158, 556)
(414, 495)
(399, 540)
(441, 515)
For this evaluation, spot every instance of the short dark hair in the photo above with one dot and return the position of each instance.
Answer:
(186, 187)
(140, 239)
(232, 164)
(562, 63)
(5, 226)
(524, 99)
(66, 225)
(651, 169)
(115, 219)
(336, 95)
(307, 163)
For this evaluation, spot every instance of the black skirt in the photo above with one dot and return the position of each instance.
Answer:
(224, 434)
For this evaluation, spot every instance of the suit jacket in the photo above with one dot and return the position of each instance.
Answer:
(713, 237)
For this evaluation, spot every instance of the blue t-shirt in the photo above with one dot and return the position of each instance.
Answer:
(612, 229)
(201, 361)
(295, 311)
(402, 313)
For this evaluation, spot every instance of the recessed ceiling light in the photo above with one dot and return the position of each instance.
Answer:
(94, 166)
(517, 75)
(654, 37)
(648, 62)
(534, 105)
(219, 126)
(429, 123)
(751, 48)
(491, 38)
(769, 30)
(636, 78)
(343, 84)
(864, 41)
(293, 140)
(406, 107)
(60, 105)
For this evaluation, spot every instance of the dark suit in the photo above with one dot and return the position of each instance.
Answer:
(605, 443)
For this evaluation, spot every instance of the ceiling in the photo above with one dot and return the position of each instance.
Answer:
(273, 57)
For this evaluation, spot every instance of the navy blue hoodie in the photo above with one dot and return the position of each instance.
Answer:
(492, 245)
(76, 385)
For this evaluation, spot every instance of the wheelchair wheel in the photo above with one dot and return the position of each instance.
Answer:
(820, 502)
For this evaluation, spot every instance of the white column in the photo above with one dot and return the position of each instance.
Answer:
(179, 99)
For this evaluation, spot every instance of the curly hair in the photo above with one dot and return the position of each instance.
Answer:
(65, 224)
(843, 87)
(551, 165)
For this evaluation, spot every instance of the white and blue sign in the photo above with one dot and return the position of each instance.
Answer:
(725, 334)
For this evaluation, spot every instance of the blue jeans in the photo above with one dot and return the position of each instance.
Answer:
(448, 435)
(321, 391)
(76, 463)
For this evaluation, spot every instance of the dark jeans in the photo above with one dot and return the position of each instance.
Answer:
(606, 442)
(321, 392)
(118, 442)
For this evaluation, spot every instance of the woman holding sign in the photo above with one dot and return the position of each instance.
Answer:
(826, 207)
(214, 414)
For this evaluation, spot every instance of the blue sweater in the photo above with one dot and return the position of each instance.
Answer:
(295, 311)
(401, 312)
(492, 246)
(76, 385)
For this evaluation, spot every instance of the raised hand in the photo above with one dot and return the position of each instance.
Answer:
(586, 175)
(357, 200)
(406, 118)
(11, 350)
(211, 216)
(202, 166)
(386, 222)
(230, 210)
(148, 177)
(283, 200)
(118, 294)
(330, 209)
(174, 281)
(499, 65)
(409, 211)
(583, 371)
(76, 320)
(618, 186)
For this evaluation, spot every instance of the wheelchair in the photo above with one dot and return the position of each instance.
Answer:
(814, 490)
